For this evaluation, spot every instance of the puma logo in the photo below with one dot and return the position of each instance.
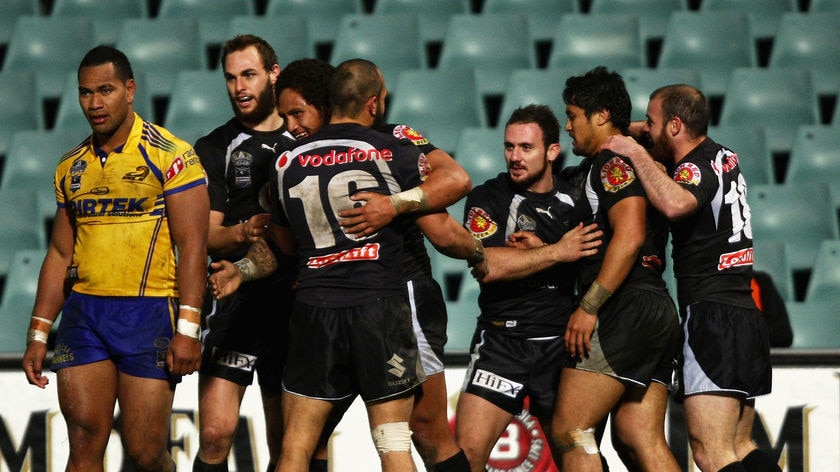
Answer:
(546, 212)
(270, 148)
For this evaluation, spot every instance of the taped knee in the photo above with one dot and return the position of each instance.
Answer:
(584, 438)
(392, 437)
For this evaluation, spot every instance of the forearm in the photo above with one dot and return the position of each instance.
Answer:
(663, 193)
(225, 240)
(509, 263)
(260, 262)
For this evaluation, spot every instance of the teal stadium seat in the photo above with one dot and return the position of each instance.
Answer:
(712, 42)
(391, 41)
(21, 228)
(437, 103)
(583, 41)
(18, 299)
(69, 115)
(770, 256)
(815, 324)
(433, 15)
(824, 5)
(107, 15)
(493, 44)
(641, 81)
(161, 47)
(18, 94)
(815, 155)
(653, 14)
(30, 164)
(462, 315)
(322, 17)
(212, 16)
(288, 34)
(780, 99)
(481, 152)
(764, 15)
(824, 284)
(199, 101)
(811, 41)
(10, 10)
(50, 48)
(748, 141)
(543, 15)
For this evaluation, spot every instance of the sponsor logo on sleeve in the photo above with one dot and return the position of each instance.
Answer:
(409, 133)
(687, 173)
(480, 224)
(616, 174)
(175, 169)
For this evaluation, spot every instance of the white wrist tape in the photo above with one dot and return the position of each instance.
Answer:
(188, 328)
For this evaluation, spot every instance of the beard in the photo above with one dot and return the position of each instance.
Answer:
(265, 107)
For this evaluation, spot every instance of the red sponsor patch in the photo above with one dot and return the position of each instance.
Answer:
(687, 173)
(409, 133)
(423, 167)
(743, 257)
(480, 224)
(616, 174)
(368, 252)
(174, 169)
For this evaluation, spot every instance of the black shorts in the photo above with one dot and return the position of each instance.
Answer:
(636, 339)
(428, 314)
(504, 370)
(247, 332)
(726, 349)
(369, 349)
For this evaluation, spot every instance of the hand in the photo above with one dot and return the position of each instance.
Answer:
(580, 241)
(480, 270)
(184, 355)
(624, 146)
(374, 212)
(225, 278)
(255, 227)
(33, 362)
(579, 333)
(524, 240)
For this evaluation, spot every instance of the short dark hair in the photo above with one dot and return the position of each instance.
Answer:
(600, 89)
(242, 41)
(104, 54)
(687, 103)
(311, 79)
(543, 116)
(354, 82)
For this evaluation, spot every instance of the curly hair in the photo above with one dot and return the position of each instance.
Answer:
(311, 79)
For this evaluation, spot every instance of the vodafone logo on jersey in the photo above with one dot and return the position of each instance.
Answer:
(333, 157)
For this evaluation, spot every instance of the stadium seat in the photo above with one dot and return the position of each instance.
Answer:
(18, 96)
(392, 41)
(815, 324)
(815, 155)
(21, 228)
(69, 115)
(641, 81)
(417, 99)
(780, 99)
(800, 215)
(824, 284)
(712, 42)
(462, 314)
(543, 15)
(481, 153)
(107, 15)
(19, 298)
(161, 47)
(212, 16)
(584, 41)
(48, 47)
(750, 144)
(322, 17)
(764, 15)
(653, 14)
(492, 43)
(287, 34)
(10, 10)
(199, 101)
(31, 161)
(811, 41)
(824, 5)
(433, 15)
(770, 257)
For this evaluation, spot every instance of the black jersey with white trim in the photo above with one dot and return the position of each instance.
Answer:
(315, 180)
(538, 305)
(713, 248)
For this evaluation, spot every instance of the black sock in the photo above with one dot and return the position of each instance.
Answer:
(733, 467)
(271, 467)
(318, 465)
(456, 463)
(759, 461)
(200, 466)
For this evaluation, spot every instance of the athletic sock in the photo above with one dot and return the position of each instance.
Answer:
(456, 463)
(759, 461)
(733, 467)
(318, 465)
(200, 466)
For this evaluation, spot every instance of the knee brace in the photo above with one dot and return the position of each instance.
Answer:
(392, 437)
(584, 438)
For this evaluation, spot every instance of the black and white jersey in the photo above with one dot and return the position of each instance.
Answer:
(538, 305)
(713, 248)
(601, 182)
(315, 180)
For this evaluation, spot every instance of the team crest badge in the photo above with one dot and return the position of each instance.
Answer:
(480, 224)
(616, 174)
(687, 173)
(409, 133)
(423, 167)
